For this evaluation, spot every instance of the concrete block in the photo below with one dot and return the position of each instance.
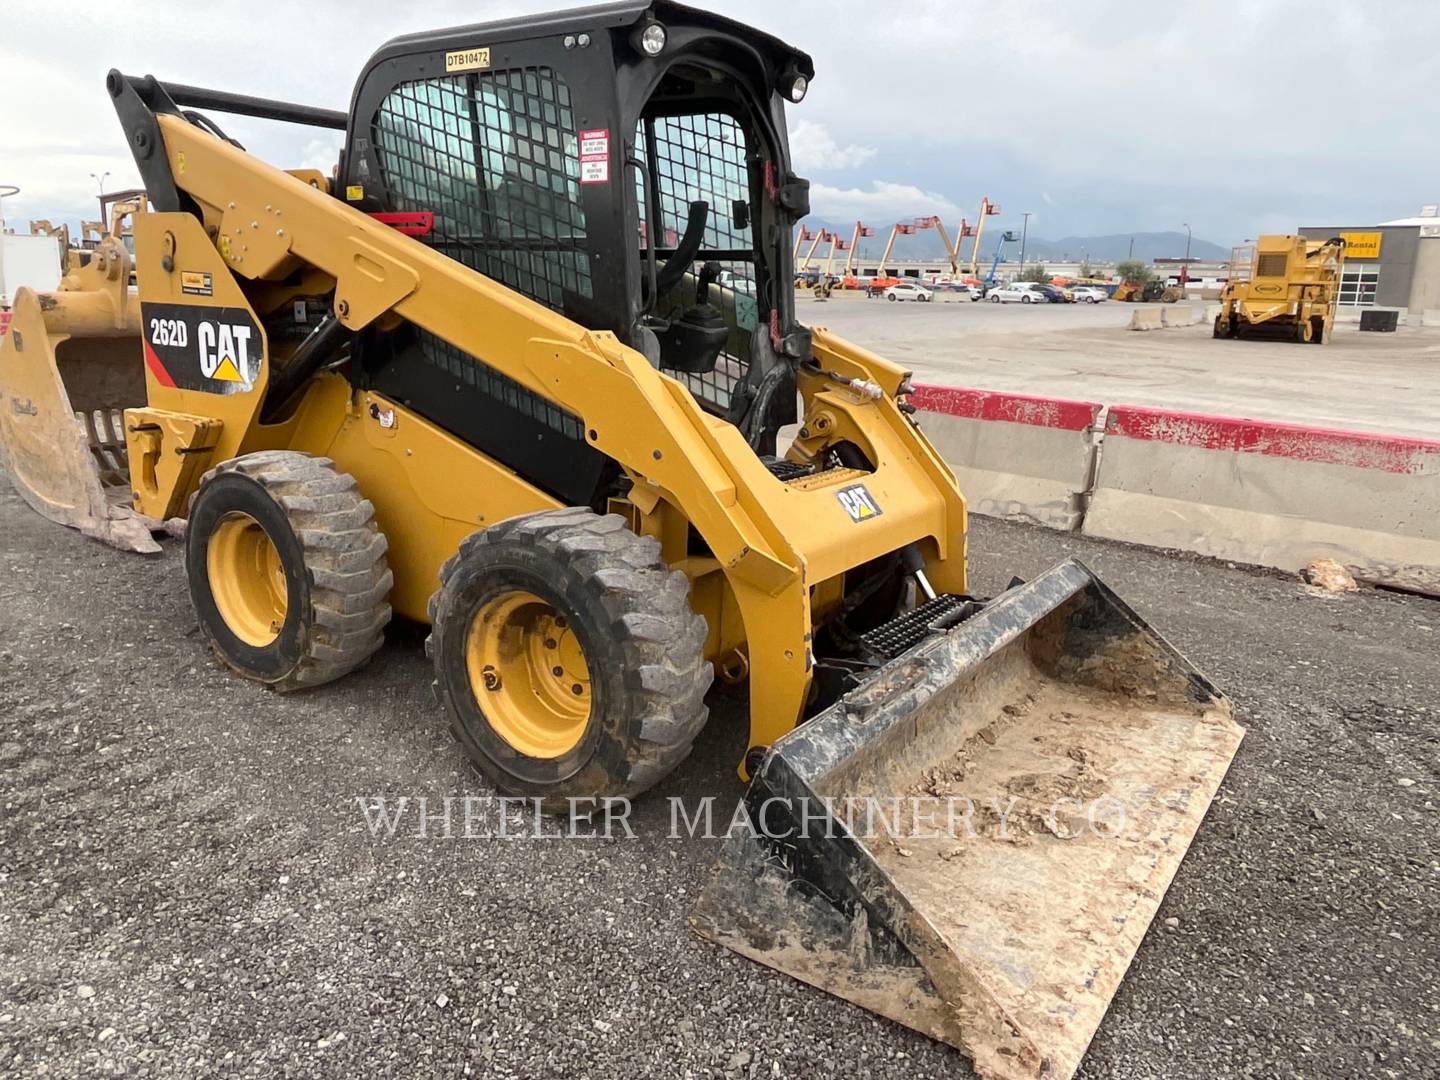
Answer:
(1016, 457)
(1179, 315)
(1271, 494)
(1146, 317)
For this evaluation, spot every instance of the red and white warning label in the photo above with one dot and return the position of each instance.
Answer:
(595, 156)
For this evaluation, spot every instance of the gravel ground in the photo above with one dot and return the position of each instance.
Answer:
(187, 885)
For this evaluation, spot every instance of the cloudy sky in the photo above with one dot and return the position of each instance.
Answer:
(1098, 118)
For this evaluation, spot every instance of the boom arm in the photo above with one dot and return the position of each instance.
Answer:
(770, 541)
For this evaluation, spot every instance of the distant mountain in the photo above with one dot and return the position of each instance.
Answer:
(1099, 249)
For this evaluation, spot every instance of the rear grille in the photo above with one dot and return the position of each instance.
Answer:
(1271, 264)
(908, 630)
(788, 470)
(475, 373)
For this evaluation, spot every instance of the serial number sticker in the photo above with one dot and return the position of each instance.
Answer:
(196, 283)
(467, 60)
(858, 503)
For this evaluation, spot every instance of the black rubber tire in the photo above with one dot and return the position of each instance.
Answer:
(333, 555)
(1220, 330)
(1024, 299)
(643, 644)
(994, 300)
(891, 297)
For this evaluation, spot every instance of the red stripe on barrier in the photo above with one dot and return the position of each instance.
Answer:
(1357, 449)
(1009, 408)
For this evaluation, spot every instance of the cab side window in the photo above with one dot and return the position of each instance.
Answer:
(494, 155)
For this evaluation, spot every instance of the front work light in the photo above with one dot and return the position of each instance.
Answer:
(652, 39)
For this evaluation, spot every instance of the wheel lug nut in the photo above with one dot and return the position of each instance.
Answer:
(557, 671)
(578, 689)
(550, 643)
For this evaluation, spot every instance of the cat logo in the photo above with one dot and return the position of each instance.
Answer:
(224, 351)
(858, 502)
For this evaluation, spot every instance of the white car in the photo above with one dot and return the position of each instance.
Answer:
(906, 291)
(1089, 294)
(1018, 292)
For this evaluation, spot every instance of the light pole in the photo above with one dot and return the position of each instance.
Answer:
(1185, 267)
(1024, 229)
(6, 190)
(100, 180)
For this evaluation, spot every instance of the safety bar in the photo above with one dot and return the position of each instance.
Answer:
(197, 97)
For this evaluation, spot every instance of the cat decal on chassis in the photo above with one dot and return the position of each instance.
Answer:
(216, 350)
(858, 503)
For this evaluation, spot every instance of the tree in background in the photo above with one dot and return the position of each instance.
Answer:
(1036, 273)
(1134, 272)
(1085, 270)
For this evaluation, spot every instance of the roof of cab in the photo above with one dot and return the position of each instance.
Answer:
(612, 16)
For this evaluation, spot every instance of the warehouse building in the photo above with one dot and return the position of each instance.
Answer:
(1395, 264)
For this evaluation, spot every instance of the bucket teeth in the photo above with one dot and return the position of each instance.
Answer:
(973, 842)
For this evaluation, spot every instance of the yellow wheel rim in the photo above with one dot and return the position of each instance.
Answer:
(247, 579)
(528, 673)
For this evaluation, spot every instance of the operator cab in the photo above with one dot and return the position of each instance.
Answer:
(626, 165)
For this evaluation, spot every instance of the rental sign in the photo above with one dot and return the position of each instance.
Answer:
(1361, 245)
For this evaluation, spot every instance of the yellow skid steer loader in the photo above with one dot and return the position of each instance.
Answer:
(518, 370)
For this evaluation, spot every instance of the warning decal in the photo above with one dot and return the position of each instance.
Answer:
(216, 350)
(595, 156)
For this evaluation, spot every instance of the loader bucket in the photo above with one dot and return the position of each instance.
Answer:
(1004, 930)
(67, 373)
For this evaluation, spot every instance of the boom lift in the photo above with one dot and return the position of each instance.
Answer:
(467, 380)
(987, 209)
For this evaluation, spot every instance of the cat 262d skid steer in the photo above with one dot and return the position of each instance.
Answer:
(518, 370)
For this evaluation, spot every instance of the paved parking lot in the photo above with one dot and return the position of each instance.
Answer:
(187, 887)
(1367, 382)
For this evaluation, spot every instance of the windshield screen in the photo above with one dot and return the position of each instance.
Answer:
(704, 155)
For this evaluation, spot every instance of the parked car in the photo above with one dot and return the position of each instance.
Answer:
(975, 292)
(1089, 294)
(907, 291)
(1054, 293)
(1018, 292)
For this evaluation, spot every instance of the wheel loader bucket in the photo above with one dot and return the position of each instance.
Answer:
(973, 842)
(69, 367)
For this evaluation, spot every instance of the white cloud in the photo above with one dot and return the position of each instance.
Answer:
(883, 203)
(1193, 157)
(322, 153)
(813, 147)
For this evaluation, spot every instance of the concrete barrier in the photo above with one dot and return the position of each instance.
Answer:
(1146, 317)
(1272, 494)
(1181, 315)
(1016, 457)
